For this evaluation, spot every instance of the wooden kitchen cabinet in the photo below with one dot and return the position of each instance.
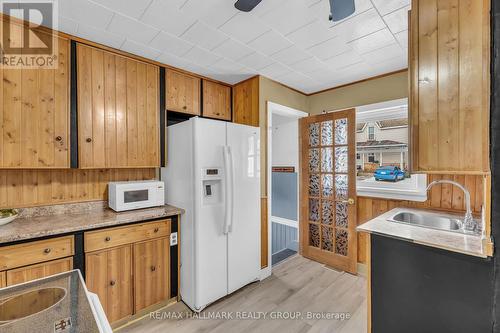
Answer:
(3, 279)
(246, 102)
(109, 275)
(216, 100)
(151, 272)
(34, 114)
(449, 71)
(118, 110)
(38, 271)
(182, 93)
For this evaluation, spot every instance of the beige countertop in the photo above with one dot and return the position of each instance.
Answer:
(62, 219)
(451, 241)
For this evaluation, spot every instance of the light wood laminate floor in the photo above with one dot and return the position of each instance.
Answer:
(296, 285)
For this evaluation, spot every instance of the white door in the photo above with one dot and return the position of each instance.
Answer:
(244, 232)
(210, 239)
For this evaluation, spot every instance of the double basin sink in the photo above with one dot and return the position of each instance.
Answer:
(431, 220)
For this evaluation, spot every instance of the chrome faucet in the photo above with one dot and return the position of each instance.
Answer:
(469, 223)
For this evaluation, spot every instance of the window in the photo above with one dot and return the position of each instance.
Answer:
(358, 156)
(371, 157)
(371, 133)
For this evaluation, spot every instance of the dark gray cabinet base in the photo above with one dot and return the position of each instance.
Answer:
(421, 289)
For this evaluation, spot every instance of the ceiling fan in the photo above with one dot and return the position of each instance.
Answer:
(339, 9)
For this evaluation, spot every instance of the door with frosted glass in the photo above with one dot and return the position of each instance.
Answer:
(328, 189)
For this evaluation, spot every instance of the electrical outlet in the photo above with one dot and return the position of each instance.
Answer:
(173, 239)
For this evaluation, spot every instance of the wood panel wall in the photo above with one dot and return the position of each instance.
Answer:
(25, 188)
(449, 84)
(441, 197)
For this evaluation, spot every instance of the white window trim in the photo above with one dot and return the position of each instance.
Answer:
(415, 190)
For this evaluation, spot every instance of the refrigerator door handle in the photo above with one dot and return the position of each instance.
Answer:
(231, 167)
(227, 188)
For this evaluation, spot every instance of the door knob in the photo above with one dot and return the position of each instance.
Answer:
(349, 201)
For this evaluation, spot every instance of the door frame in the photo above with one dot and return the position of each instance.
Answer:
(278, 109)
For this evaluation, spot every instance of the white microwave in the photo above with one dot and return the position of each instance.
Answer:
(135, 194)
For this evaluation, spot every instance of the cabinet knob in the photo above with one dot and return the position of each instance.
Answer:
(107, 239)
(184, 107)
(153, 268)
(47, 250)
(88, 139)
(58, 138)
(156, 229)
(112, 282)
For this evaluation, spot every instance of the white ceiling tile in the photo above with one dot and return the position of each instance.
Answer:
(244, 27)
(100, 36)
(165, 15)
(308, 65)
(133, 29)
(387, 6)
(230, 78)
(295, 79)
(383, 54)
(270, 43)
(204, 36)
(344, 60)
(329, 48)
(256, 61)
(359, 25)
(274, 70)
(85, 11)
(373, 41)
(233, 50)
(133, 8)
(140, 49)
(173, 60)
(402, 38)
(311, 34)
(266, 6)
(166, 42)
(291, 55)
(296, 13)
(226, 66)
(67, 25)
(214, 12)
(201, 57)
(397, 21)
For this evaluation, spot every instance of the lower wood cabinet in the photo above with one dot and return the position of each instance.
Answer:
(3, 279)
(133, 276)
(38, 271)
(109, 275)
(151, 272)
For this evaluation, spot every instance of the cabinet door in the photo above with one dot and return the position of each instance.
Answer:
(151, 272)
(183, 93)
(33, 272)
(246, 102)
(216, 100)
(118, 111)
(3, 279)
(34, 115)
(109, 275)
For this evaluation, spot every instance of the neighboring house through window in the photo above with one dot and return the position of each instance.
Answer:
(371, 133)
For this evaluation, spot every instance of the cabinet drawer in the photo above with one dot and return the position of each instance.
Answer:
(35, 252)
(33, 272)
(107, 238)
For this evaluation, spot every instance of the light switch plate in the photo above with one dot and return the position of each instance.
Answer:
(173, 239)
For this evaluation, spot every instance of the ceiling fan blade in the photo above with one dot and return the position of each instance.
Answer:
(246, 5)
(340, 9)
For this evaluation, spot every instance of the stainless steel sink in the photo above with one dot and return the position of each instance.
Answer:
(29, 303)
(428, 220)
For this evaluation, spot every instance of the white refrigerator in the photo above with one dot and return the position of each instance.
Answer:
(213, 172)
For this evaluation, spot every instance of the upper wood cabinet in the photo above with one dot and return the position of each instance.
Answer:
(216, 100)
(246, 102)
(34, 115)
(183, 92)
(118, 110)
(449, 85)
